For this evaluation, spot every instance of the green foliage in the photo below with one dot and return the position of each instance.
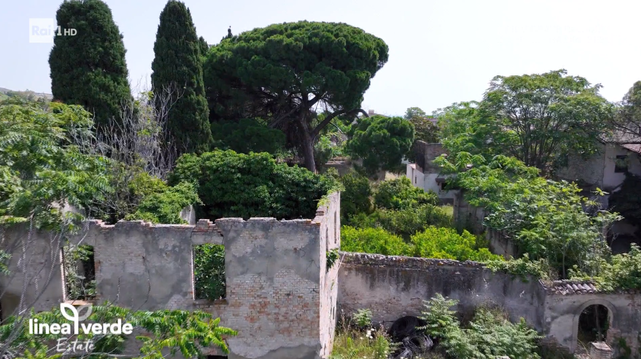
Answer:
(165, 207)
(43, 166)
(381, 142)
(441, 320)
(627, 201)
(622, 271)
(401, 194)
(546, 219)
(372, 240)
(352, 344)
(172, 331)
(79, 286)
(446, 243)
(89, 69)
(425, 130)
(538, 119)
(246, 185)
(489, 335)
(363, 318)
(331, 257)
(356, 198)
(177, 66)
(209, 271)
(442, 243)
(522, 267)
(325, 150)
(405, 222)
(248, 135)
(628, 115)
(282, 71)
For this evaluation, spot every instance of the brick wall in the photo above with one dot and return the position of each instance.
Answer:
(280, 298)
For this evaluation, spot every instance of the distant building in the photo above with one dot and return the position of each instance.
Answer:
(425, 174)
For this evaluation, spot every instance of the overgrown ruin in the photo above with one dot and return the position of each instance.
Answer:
(281, 297)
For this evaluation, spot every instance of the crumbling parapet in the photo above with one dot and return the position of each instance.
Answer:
(280, 294)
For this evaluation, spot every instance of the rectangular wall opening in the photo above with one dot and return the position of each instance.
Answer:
(79, 272)
(209, 271)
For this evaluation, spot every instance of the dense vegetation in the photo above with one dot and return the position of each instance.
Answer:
(233, 184)
(225, 127)
(177, 331)
(280, 72)
(89, 69)
(177, 72)
(381, 142)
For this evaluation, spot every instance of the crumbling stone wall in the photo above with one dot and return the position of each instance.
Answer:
(392, 287)
(280, 296)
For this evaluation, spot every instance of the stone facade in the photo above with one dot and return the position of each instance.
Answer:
(393, 287)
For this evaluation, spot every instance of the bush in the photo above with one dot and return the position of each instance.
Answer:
(405, 222)
(372, 240)
(400, 194)
(623, 271)
(363, 318)
(250, 185)
(165, 207)
(356, 197)
(489, 335)
(410, 221)
(209, 271)
(443, 243)
(448, 244)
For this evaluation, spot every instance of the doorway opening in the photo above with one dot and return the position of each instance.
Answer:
(594, 323)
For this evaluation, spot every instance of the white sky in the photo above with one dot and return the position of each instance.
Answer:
(440, 51)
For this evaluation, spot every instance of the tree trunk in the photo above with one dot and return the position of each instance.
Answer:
(308, 151)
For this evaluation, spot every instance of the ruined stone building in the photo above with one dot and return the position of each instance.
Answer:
(281, 296)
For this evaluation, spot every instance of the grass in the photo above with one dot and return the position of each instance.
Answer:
(364, 342)
(354, 343)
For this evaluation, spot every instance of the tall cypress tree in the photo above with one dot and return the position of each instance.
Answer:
(89, 69)
(178, 66)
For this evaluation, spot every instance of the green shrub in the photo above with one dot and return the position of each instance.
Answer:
(401, 194)
(356, 197)
(251, 185)
(448, 244)
(440, 319)
(325, 150)
(372, 240)
(209, 271)
(405, 222)
(363, 318)
(490, 333)
(165, 207)
(623, 271)
(409, 221)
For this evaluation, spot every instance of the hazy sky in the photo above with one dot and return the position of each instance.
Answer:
(440, 51)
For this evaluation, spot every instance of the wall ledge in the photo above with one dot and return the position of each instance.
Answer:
(379, 260)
